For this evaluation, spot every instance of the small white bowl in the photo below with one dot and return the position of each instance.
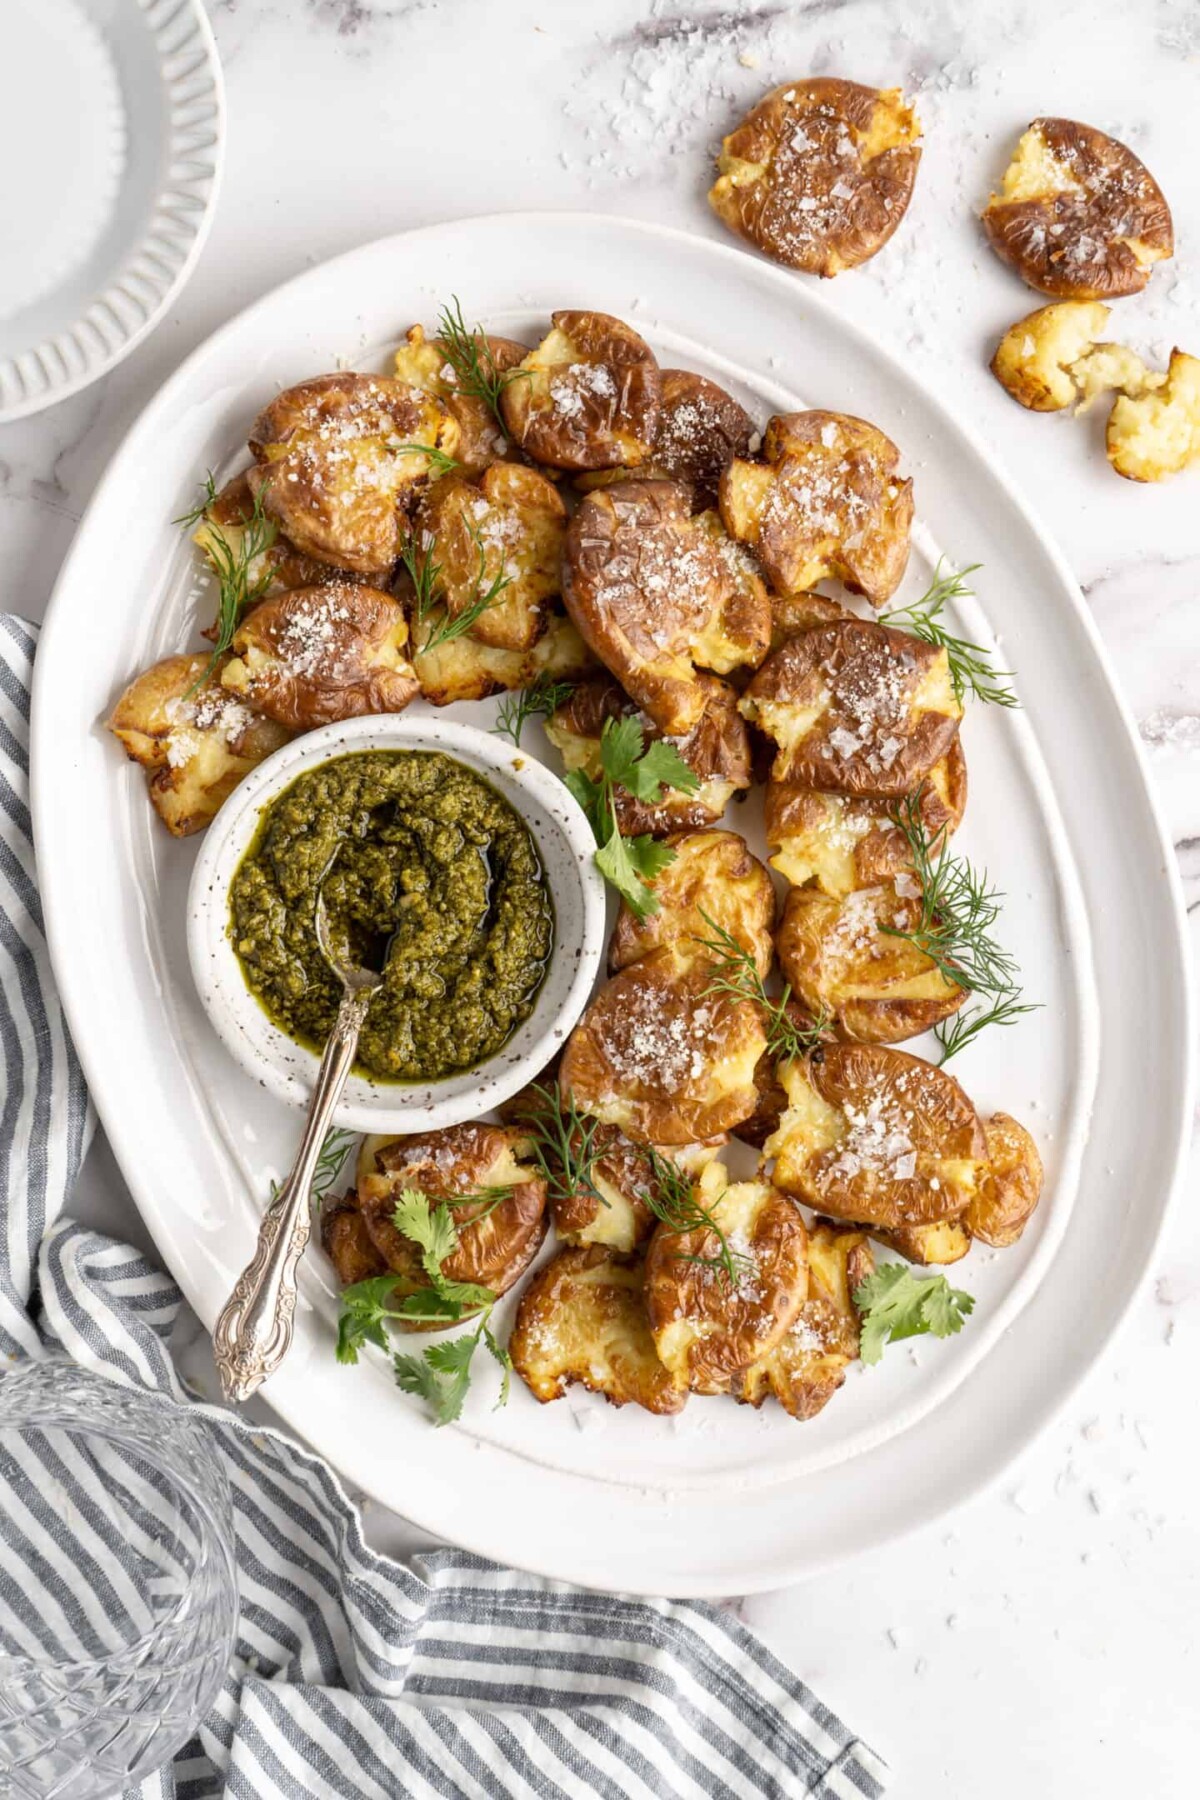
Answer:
(566, 847)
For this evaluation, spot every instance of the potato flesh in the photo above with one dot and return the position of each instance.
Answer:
(1158, 433)
(1035, 172)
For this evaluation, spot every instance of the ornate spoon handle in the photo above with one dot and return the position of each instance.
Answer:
(252, 1334)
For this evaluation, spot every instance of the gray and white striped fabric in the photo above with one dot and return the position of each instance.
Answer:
(354, 1675)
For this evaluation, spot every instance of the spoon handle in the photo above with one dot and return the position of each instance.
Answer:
(252, 1334)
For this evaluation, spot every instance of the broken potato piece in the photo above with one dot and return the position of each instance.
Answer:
(820, 173)
(708, 1322)
(1055, 358)
(663, 1056)
(840, 844)
(855, 708)
(808, 1365)
(653, 597)
(337, 458)
(507, 527)
(714, 885)
(716, 749)
(1078, 216)
(877, 1137)
(1009, 1187)
(422, 363)
(588, 396)
(464, 669)
(315, 655)
(194, 739)
(1156, 433)
(825, 501)
(583, 1319)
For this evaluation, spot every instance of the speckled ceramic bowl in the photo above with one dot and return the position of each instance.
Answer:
(565, 844)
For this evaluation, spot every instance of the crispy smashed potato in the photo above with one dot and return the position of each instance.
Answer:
(347, 1242)
(825, 501)
(794, 613)
(876, 1136)
(221, 535)
(583, 1318)
(653, 597)
(311, 656)
(713, 873)
(1078, 216)
(589, 395)
(842, 844)
(465, 669)
(716, 749)
(510, 524)
(1055, 358)
(838, 959)
(820, 174)
(936, 1245)
(706, 1326)
(700, 427)
(338, 457)
(808, 1365)
(194, 742)
(659, 1055)
(855, 708)
(421, 363)
(1010, 1186)
(1157, 433)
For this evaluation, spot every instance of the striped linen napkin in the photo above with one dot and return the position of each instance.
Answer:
(354, 1675)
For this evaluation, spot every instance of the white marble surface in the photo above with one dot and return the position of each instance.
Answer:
(1042, 1641)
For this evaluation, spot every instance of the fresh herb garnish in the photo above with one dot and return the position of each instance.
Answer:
(232, 563)
(334, 1152)
(439, 462)
(671, 1197)
(471, 357)
(538, 701)
(563, 1143)
(962, 1027)
(894, 1304)
(195, 513)
(644, 771)
(425, 575)
(735, 973)
(970, 664)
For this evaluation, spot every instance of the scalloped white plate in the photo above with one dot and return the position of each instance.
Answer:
(721, 1500)
(113, 116)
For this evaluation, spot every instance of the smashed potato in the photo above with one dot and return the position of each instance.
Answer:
(221, 535)
(347, 1242)
(1157, 433)
(311, 656)
(716, 749)
(653, 597)
(808, 1365)
(713, 873)
(1010, 1186)
(508, 525)
(876, 1136)
(936, 1245)
(842, 844)
(700, 427)
(706, 1325)
(856, 708)
(464, 669)
(338, 457)
(588, 397)
(1054, 358)
(1078, 216)
(194, 742)
(794, 613)
(421, 362)
(820, 173)
(659, 1055)
(825, 501)
(583, 1318)
(838, 959)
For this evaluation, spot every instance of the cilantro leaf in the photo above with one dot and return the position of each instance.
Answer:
(590, 795)
(452, 1362)
(621, 743)
(414, 1375)
(616, 863)
(365, 1305)
(661, 767)
(896, 1304)
(430, 1228)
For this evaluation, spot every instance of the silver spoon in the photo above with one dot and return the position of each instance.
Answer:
(252, 1335)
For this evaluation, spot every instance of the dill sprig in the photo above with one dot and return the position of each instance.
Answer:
(970, 664)
(671, 1197)
(426, 574)
(439, 462)
(735, 973)
(232, 563)
(564, 1145)
(958, 910)
(538, 701)
(334, 1152)
(471, 357)
(964, 1026)
(195, 513)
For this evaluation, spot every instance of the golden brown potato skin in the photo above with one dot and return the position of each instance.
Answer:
(661, 1057)
(808, 1366)
(824, 501)
(820, 173)
(857, 708)
(877, 1137)
(348, 1244)
(700, 429)
(583, 1318)
(194, 742)
(311, 656)
(713, 873)
(329, 470)
(510, 522)
(936, 1245)
(1079, 217)
(281, 565)
(589, 398)
(421, 363)
(716, 749)
(1010, 1186)
(465, 669)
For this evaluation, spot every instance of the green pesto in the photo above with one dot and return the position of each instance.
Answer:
(427, 874)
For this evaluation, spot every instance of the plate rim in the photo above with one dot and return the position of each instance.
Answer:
(1176, 954)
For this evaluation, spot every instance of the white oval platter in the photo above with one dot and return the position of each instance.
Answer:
(721, 1500)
